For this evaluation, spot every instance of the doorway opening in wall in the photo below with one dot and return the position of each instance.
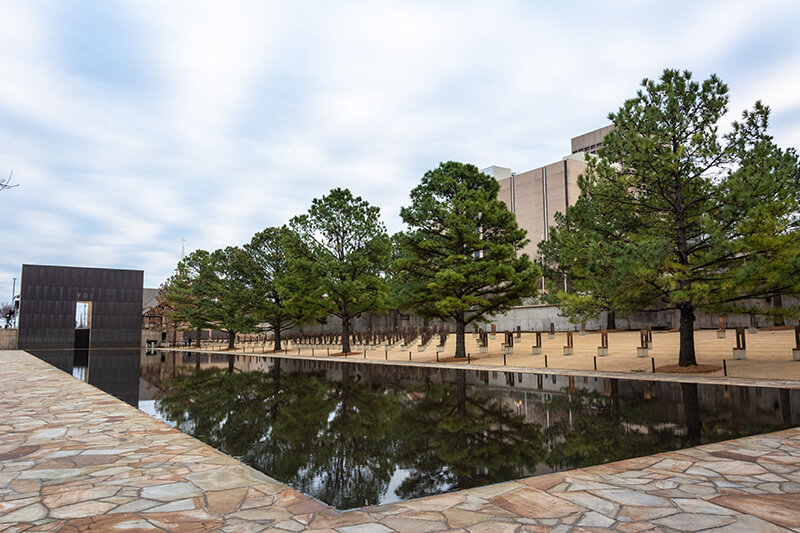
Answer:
(83, 328)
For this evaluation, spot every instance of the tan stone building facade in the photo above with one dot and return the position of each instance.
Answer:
(535, 196)
(590, 142)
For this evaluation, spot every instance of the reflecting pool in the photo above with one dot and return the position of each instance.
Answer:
(353, 435)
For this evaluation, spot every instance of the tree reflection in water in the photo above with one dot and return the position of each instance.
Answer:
(351, 443)
(454, 441)
(342, 442)
(591, 428)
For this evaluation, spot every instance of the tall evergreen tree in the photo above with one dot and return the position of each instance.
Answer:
(234, 300)
(459, 259)
(268, 277)
(187, 294)
(702, 221)
(578, 248)
(338, 258)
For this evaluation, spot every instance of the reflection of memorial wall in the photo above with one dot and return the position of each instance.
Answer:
(116, 372)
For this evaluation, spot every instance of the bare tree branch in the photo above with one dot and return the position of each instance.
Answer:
(5, 183)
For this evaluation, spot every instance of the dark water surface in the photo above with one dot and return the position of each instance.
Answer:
(353, 435)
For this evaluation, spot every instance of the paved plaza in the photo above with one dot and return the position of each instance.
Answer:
(73, 458)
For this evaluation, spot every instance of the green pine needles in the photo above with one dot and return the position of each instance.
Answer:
(459, 258)
(673, 215)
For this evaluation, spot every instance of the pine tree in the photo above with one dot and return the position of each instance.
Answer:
(268, 272)
(230, 286)
(459, 257)
(707, 221)
(339, 253)
(187, 293)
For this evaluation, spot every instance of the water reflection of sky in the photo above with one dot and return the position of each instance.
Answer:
(397, 478)
(79, 372)
(151, 408)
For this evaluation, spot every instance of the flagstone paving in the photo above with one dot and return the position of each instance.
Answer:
(73, 458)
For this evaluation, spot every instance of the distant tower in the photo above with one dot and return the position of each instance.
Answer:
(183, 248)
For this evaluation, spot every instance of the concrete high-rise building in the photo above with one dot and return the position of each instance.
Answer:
(590, 142)
(535, 196)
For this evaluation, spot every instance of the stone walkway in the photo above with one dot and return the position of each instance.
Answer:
(73, 458)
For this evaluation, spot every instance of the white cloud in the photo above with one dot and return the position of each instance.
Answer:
(242, 112)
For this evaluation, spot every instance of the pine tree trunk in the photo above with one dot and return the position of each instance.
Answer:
(197, 362)
(611, 319)
(460, 326)
(777, 301)
(687, 355)
(345, 329)
(277, 327)
(231, 340)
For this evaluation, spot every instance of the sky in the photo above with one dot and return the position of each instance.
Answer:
(131, 125)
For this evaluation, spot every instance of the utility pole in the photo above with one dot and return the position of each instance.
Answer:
(13, 293)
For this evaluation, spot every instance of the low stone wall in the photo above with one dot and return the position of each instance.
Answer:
(8, 339)
(538, 318)
(376, 322)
